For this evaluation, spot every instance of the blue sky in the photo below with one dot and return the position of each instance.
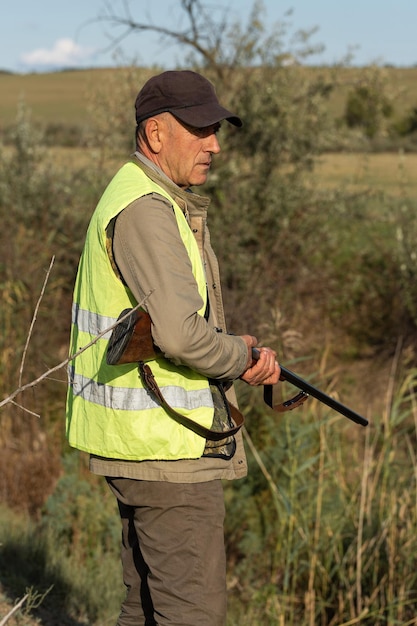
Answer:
(42, 35)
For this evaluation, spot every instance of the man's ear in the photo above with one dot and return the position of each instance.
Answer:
(152, 133)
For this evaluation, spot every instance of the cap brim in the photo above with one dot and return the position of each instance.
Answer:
(204, 115)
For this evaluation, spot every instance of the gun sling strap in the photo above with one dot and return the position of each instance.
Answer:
(151, 385)
(131, 342)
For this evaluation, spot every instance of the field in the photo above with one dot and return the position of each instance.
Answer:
(64, 96)
(391, 173)
(60, 97)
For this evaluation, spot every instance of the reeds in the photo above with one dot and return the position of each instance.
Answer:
(339, 544)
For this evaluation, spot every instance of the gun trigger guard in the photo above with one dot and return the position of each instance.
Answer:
(292, 403)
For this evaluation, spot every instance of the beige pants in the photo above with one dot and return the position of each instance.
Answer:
(173, 553)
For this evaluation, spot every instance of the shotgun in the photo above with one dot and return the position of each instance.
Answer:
(306, 390)
(131, 341)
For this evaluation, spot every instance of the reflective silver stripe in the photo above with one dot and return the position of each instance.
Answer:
(136, 399)
(91, 323)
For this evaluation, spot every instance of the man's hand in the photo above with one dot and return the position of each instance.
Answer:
(264, 371)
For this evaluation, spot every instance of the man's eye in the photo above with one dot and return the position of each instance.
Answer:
(206, 132)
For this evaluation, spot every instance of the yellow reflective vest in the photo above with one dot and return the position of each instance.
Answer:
(109, 412)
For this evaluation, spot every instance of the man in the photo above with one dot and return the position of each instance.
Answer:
(148, 242)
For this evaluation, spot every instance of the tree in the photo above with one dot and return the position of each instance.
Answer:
(368, 104)
(258, 182)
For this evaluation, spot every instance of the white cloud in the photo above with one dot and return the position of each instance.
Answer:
(65, 52)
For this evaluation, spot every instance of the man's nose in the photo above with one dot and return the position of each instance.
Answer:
(213, 145)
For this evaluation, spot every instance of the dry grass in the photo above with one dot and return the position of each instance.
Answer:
(391, 173)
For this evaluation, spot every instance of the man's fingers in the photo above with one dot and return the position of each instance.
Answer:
(265, 368)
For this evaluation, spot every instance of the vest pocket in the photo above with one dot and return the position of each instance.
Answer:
(225, 448)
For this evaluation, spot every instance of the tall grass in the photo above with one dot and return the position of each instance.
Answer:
(322, 532)
(335, 520)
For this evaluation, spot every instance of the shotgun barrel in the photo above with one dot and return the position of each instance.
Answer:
(310, 390)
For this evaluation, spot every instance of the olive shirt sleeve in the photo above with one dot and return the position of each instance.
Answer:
(151, 257)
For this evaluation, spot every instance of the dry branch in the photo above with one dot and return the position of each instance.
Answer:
(13, 610)
(34, 317)
(46, 374)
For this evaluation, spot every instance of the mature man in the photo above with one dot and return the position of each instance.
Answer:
(148, 235)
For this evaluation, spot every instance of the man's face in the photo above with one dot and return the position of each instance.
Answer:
(186, 153)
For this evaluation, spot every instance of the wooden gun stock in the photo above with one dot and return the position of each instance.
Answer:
(131, 340)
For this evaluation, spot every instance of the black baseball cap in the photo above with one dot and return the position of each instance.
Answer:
(187, 95)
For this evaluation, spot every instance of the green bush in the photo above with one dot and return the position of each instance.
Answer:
(408, 124)
(369, 104)
(70, 554)
(365, 108)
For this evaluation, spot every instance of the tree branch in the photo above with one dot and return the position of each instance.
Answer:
(35, 314)
(14, 609)
(35, 382)
(203, 34)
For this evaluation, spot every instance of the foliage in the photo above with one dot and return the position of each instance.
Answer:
(368, 104)
(406, 128)
(408, 124)
(406, 237)
(37, 204)
(358, 267)
(261, 187)
(80, 512)
(71, 552)
(110, 105)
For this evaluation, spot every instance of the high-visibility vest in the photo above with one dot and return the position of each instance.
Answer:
(109, 412)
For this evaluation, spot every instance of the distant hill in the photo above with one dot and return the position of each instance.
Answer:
(56, 97)
(62, 97)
